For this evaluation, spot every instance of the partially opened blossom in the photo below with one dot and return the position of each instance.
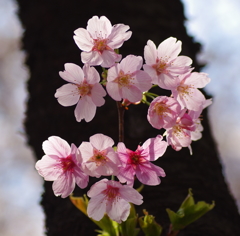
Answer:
(126, 81)
(138, 162)
(163, 63)
(163, 112)
(112, 198)
(179, 135)
(99, 40)
(84, 90)
(99, 158)
(63, 165)
(186, 90)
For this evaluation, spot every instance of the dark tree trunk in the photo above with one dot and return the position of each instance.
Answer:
(49, 44)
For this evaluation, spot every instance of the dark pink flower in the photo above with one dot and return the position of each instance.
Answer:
(138, 162)
(62, 164)
(112, 198)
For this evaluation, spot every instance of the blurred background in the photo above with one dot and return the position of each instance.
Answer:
(215, 24)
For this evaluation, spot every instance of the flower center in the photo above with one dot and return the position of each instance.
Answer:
(135, 158)
(67, 163)
(184, 90)
(161, 109)
(160, 66)
(99, 157)
(111, 193)
(100, 45)
(84, 89)
(124, 80)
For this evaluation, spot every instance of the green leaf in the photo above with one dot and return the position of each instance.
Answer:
(188, 212)
(128, 228)
(149, 226)
(108, 226)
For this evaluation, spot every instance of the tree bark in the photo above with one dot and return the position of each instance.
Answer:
(48, 41)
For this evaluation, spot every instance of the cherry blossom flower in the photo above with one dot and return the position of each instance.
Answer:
(126, 81)
(138, 162)
(108, 196)
(84, 90)
(186, 90)
(62, 164)
(179, 135)
(99, 40)
(163, 63)
(163, 112)
(99, 158)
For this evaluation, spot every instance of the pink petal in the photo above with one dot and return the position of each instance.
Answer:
(99, 28)
(146, 175)
(97, 207)
(64, 185)
(131, 195)
(83, 39)
(93, 58)
(113, 72)
(81, 178)
(169, 48)
(97, 188)
(67, 95)
(85, 109)
(73, 73)
(56, 146)
(119, 210)
(47, 168)
(132, 94)
(182, 61)
(114, 91)
(150, 53)
(109, 58)
(97, 94)
(199, 80)
(101, 141)
(154, 148)
(131, 64)
(118, 35)
(143, 81)
(91, 74)
(86, 150)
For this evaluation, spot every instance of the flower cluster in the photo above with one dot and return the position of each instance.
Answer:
(125, 82)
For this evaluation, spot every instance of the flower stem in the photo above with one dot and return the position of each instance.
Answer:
(121, 110)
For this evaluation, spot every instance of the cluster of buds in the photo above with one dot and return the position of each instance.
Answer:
(123, 80)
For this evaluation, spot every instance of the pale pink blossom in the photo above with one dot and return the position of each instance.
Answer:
(125, 80)
(99, 158)
(138, 162)
(186, 90)
(112, 198)
(62, 164)
(163, 112)
(84, 90)
(163, 63)
(99, 40)
(179, 135)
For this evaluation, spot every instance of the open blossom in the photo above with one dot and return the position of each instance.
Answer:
(126, 81)
(62, 164)
(163, 63)
(179, 135)
(99, 40)
(84, 90)
(99, 158)
(112, 198)
(186, 90)
(138, 162)
(163, 112)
